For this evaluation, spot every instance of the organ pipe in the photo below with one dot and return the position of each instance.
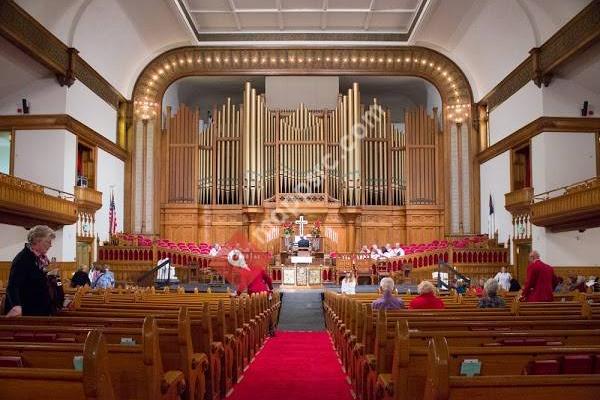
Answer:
(354, 154)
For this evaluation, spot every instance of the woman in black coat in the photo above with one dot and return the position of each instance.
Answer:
(27, 292)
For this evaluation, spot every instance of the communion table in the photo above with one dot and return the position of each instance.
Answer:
(302, 274)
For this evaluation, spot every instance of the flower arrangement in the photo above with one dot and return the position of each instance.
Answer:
(316, 230)
(288, 229)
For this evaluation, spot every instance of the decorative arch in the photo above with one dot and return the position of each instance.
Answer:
(461, 194)
(422, 62)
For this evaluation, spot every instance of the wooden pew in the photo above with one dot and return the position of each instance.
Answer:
(176, 349)
(404, 376)
(93, 383)
(502, 374)
(136, 371)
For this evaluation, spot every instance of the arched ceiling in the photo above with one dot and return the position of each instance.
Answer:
(120, 37)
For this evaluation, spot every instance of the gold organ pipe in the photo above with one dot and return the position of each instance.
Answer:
(246, 142)
(252, 139)
(357, 160)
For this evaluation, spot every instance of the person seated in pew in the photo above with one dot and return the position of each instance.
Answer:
(577, 283)
(540, 281)
(503, 278)
(561, 287)
(515, 286)
(387, 251)
(105, 279)
(490, 298)
(387, 301)
(27, 292)
(398, 251)
(349, 283)
(375, 252)
(81, 277)
(461, 288)
(214, 250)
(426, 298)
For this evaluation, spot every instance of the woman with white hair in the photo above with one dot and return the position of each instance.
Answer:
(490, 298)
(387, 301)
(27, 292)
(426, 298)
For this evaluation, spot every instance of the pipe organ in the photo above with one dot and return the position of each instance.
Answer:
(353, 156)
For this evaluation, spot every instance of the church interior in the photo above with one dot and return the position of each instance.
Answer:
(336, 199)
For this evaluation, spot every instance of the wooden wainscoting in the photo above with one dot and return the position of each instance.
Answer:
(566, 271)
(66, 268)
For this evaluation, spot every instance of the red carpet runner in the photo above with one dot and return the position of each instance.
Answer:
(294, 366)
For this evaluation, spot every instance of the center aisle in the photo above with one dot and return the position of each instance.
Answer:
(294, 366)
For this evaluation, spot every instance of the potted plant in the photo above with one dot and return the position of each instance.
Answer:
(316, 230)
(288, 229)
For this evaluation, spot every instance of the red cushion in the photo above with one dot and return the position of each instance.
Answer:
(577, 364)
(11, 362)
(544, 367)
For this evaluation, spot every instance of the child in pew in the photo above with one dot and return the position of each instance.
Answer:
(490, 298)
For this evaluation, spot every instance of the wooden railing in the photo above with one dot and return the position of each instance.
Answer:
(26, 203)
(88, 198)
(568, 208)
(466, 260)
(518, 200)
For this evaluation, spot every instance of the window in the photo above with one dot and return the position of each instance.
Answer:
(6, 152)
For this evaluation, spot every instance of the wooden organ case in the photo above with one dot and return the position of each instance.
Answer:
(250, 168)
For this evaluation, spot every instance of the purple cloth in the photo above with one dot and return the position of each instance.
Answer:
(388, 302)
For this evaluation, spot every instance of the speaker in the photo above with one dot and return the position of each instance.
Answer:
(584, 110)
(25, 106)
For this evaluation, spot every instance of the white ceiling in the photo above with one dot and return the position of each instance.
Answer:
(323, 17)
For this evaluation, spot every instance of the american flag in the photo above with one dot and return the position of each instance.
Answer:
(112, 215)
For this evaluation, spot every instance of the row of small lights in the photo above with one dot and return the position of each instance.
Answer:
(167, 67)
(458, 112)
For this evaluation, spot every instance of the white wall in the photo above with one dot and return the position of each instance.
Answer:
(110, 175)
(44, 96)
(490, 48)
(558, 160)
(495, 180)
(85, 106)
(561, 159)
(516, 112)
(12, 239)
(564, 98)
(315, 92)
(48, 157)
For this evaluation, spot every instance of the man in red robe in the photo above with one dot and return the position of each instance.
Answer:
(540, 280)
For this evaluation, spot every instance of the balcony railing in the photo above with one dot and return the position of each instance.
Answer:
(26, 203)
(518, 200)
(88, 198)
(568, 208)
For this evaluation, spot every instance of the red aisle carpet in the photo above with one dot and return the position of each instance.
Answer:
(294, 366)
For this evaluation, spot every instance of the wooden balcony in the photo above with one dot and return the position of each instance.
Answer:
(570, 208)
(518, 201)
(88, 199)
(25, 203)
